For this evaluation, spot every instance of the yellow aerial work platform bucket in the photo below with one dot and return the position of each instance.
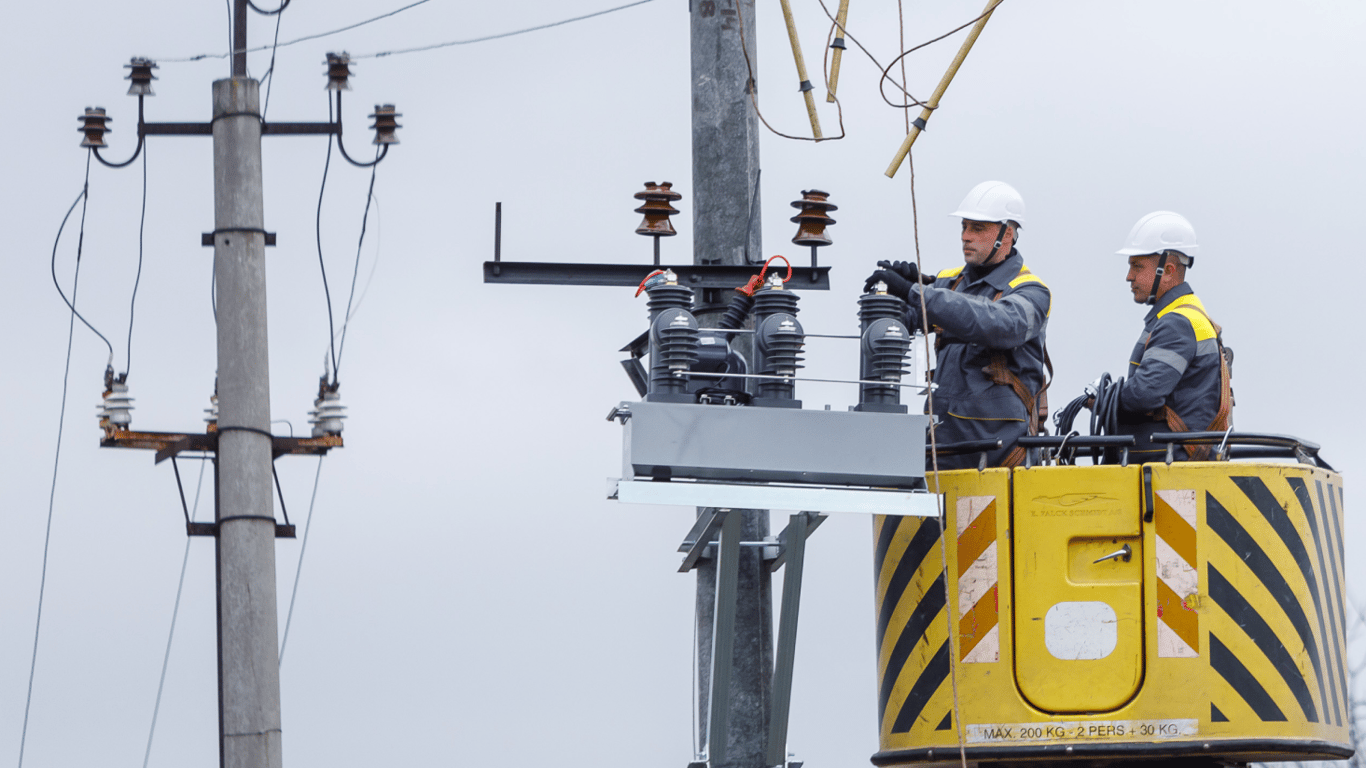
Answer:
(1104, 613)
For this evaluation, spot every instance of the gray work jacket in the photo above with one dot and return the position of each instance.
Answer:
(1174, 363)
(972, 323)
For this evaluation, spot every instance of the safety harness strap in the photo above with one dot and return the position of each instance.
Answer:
(1223, 417)
(1036, 405)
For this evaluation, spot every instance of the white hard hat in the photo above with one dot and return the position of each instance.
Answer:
(992, 201)
(1161, 231)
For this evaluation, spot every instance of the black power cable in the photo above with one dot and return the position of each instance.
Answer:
(271, 12)
(355, 272)
(318, 230)
(270, 71)
(1102, 397)
(80, 246)
(133, 304)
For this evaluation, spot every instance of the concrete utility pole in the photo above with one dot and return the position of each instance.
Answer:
(725, 203)
(248, 637)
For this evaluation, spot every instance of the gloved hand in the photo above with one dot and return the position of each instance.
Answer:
(896, 284)
(908, 270)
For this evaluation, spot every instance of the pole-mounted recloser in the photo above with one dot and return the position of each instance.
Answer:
(933, 103)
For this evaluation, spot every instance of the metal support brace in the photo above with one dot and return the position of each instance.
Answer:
(700, 537)
(723, 636)
(795, 551)
(813, 521)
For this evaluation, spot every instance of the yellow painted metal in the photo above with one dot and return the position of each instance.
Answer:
(841, 17)
(801, 70)
(933, 103)
(1232, 603)
(1078, 622)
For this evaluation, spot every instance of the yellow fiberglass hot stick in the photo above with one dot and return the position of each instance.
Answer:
(930, 105)
(840, 19)
(801, 71)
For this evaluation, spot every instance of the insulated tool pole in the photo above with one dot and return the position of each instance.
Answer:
(841, 17)
(801, 70)
(933, 103)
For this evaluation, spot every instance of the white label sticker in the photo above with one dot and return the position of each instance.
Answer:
(1075, 631)
(1095, 730)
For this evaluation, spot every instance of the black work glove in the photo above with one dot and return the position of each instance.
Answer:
(896, 284)
(908, 270)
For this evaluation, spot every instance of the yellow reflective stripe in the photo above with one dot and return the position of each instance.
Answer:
(1026, 276)
(1193, 310)
(950, 272)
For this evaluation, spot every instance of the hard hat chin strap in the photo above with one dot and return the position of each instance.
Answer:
(1157, 278)
(1000, 235)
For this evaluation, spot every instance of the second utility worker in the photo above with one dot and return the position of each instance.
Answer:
(989, 317)
(1178, 372)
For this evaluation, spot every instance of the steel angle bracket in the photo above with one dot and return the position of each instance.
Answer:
(815, 498)
(630, 275)
(170, 444)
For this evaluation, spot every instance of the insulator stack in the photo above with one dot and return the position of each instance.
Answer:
(779, 340)
(736, 312)
(889, 354)
(116, 411)
(338, 71)
(327, 414)
(882, 352)
(94, 124)
(813, 219)
(140, 76)
(212, 418)
(678, 344)
(386, 124)
(673, 340)
(657, 209)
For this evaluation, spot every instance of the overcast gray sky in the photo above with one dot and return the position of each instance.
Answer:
(468, 595)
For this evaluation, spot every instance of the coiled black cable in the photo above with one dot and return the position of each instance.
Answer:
(1103, 397)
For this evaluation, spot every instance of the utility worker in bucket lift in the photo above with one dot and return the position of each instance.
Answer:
(1179, 369)
(989, 317)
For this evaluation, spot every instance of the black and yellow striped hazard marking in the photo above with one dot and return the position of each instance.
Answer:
(910, 618)
(1242, 586)
(1278, 581)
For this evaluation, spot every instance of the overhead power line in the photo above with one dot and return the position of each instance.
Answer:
(417, 49)
(203, 56)
(500, 35)
(83, 197)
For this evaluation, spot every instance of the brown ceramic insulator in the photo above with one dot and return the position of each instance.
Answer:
(140, 76)
(812, 219)
(338, 71)
(386, 124)
(657, 209)
(94, 124)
